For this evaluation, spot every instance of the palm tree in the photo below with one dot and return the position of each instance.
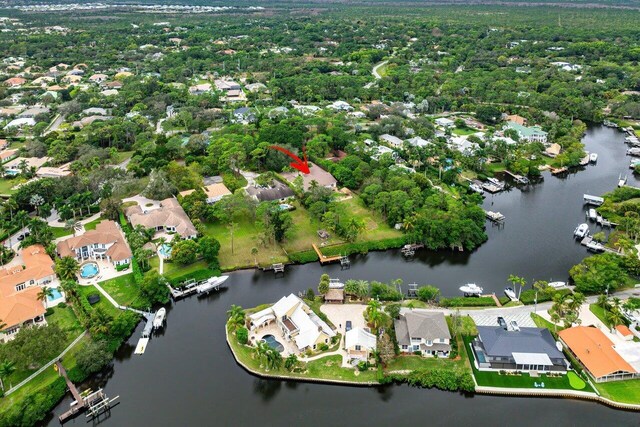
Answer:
(603, 301)
(236, 317)
(100, 322)
(260, 351)
(72, 224)
(45, 292)
(516, 280)
(69, 287)
(254, 252)
(373, 313)
(614, 317)
(6, 369)
(12, 205)
(67, 268)
(363, 289)
(273, 359)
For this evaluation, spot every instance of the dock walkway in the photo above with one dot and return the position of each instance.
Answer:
(325, 259)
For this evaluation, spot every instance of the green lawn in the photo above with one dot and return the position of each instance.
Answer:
(121, 156)
(125, 291)
(412, 363)
(66, 320)
(600, 313)
(59, 232)
(544, 323)
(6, 185)
(92, 225)
(621, 391)
(103, 303)
(464, 131)
(173, 270)
(246, 236)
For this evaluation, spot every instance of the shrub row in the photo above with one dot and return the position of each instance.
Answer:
(303, 257)
(443, 379)
(529, 296)
(364, 247)
(467, 302)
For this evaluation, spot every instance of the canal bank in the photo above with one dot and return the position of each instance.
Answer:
(189, 377)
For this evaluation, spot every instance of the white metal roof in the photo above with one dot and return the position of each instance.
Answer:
(532, 359)
(358, 336)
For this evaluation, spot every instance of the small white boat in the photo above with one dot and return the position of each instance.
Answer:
(592, 214)
(511, 294)
(633, 164)
(477, 188)
(581, 230)
(158, 321)
(593, 157)
(622, 181)
(594, 246)
(335, 284)
(471, 290)
(557, 285)
(496, 182)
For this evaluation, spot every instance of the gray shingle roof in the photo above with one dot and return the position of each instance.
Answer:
(426, 325)
(499, 342)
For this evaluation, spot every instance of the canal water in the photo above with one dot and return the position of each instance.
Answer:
(189, 377)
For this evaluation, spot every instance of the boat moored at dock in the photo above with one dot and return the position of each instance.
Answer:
(557, 285)
(592, 214)
(595, 247)
(511, 294)
(581, 231)
(635, 152)
(592, 200)
(471, 290)
(158, 320)
(593, 157)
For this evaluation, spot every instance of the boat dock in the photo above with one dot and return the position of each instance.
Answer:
(592, 200)
(409, 250)
(141, 347)
(557, 171)
(328, 259)
(517, 178)
(491, 187)
(95, 403)
(495, 217)
(588, 240)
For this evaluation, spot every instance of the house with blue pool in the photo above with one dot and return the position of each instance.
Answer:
(106, 243)
(22, 302)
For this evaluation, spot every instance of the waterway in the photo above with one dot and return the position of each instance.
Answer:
(189, 377)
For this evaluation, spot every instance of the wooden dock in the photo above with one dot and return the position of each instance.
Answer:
(325, 259)
(495, 298)
(589, 239)
(557, 171)
(518, 178)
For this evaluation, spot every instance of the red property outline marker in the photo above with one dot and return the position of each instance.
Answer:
(301, 165)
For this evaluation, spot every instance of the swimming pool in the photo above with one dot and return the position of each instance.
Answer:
(89, 270)
(273, 343)
(55, 294)
(165, 250)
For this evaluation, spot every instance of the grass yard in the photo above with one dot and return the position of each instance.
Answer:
(92, 225)
(413, 363)
(121, 156)
(621, 391)
(173, 270)
(600, 313)
(59, 232)
(66, 320)
(125, 291)
(103, 303)
(541, 322)
(464, 131)
(6, 185)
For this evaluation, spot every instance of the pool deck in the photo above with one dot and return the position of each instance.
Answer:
(107, 271)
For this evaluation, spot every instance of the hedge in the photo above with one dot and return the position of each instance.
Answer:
(35, 407)
(303, 257)
(364, 247)
(528, 297)
(467, 302)
(443, 379)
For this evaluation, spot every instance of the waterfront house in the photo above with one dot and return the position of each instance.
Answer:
(214, 192)
(597, 354)
(277, 191)
(393, 141)
(528, 133)
(296, 321)
(106, 242)
(444, 122)
(321, 177)
(517, 349)
(425, 332)
(169, 217)
(20, 283)
(359, 344)
(15, 166)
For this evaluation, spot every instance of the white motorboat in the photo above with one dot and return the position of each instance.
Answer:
(335, 284)
(592, 214)
(557, 285)
(594, 246)
(593, 157)
(471, 290)
(210, 284)
(635, 151)
(496, 182)
(633, 164)
(511, 294)
(477, 188)
(158, 321)
(581, 230)
(622, 181)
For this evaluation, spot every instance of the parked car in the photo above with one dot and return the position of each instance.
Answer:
(502, 322)
(23, 236)
(347, 326)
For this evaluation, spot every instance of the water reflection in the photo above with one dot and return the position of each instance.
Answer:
(266, 389)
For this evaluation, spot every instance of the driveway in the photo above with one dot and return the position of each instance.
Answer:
(340, 313)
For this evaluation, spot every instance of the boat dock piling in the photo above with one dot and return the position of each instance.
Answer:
(277, 268)
(409, 250)
(95, 403)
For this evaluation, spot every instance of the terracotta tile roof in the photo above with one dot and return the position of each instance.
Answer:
(106, 232)
(595, 351)
(624, 330)
(21, 306)
(37, 266)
